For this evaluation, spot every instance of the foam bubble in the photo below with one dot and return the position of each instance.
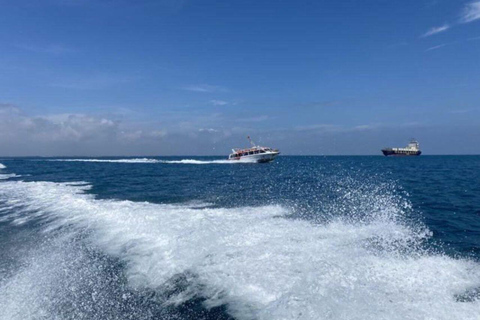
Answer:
(2, 166)
(260, 263)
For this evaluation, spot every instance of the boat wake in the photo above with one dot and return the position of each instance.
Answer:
(255, 261)
(136, 160)
(193, 161)
(149, 160)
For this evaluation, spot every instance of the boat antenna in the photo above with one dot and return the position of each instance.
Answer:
(251, 142)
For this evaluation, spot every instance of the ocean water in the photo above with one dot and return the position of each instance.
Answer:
(203, 238)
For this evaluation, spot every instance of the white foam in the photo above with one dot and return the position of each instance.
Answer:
(147, 160)
(193, 161)
(258, 262)
(136, 160)
(8, 176)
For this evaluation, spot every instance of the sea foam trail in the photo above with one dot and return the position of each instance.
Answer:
(137, 160)
(253, 259)
(2, 166)
(193, 161)
(146, 160)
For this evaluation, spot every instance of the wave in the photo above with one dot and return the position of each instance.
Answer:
(254, 260)
(8, 176)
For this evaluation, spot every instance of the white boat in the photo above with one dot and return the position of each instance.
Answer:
(254, 154)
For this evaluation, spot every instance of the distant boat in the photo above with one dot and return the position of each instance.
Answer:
(413, 149)
(254, 154)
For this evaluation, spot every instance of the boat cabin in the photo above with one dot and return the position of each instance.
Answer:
(237, 153)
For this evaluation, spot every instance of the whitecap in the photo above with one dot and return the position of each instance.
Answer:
(8, 176)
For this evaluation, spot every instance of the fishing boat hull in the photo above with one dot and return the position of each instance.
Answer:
(408, 153)
(257, 158)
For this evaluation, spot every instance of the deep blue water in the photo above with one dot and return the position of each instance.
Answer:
(299, 238)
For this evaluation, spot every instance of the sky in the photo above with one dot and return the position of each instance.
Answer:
(192, 77)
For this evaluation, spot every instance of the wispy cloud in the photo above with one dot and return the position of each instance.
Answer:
(435, 30)
(451, 43)
(205, 88)
(437, 47)
(254, 119)
(218, 102)
(319, 104)
(335, 128)
(471, 12)
(320, 127)
(208, 130)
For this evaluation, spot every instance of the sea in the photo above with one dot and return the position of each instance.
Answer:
(304, 237)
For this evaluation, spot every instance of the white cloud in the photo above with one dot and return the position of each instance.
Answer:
(436, 47)
(259, 118)
(320, 127)
(205, 88)
(436, 30)
(471, 12)
(218, 102)
(363, 127)
(69, 134)
(209, 130)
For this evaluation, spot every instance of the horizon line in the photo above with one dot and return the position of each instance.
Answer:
(284, 155)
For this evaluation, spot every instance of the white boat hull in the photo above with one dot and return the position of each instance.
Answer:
(258, 158)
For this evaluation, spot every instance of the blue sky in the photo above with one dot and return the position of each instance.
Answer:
(196, 77)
